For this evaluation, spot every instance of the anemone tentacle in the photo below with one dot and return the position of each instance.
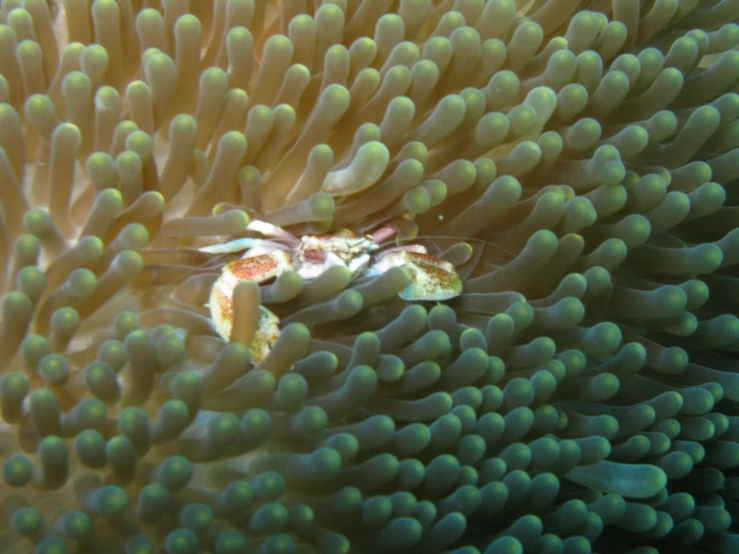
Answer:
(577, 163)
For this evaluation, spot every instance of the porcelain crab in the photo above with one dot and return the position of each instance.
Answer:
(309, 256)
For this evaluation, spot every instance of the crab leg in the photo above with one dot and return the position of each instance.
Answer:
(432, 277)
(259, 268)
(359, 264)
(273, 231)
(383, 233)
(238, 245)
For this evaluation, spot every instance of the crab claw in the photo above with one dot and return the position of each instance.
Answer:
(265, 335)
(259, 269)
(431, 278)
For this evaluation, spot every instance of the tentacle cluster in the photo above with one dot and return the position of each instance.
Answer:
(577, 163)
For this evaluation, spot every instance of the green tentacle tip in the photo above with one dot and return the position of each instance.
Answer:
(120, 454)
(28, 248)
(89, 248)
(231, 542)
(89, 446)
(152, 502)
(13, 389)
(270, 518)
(31, 281)
(74, 525)
(53, 452)
(324, 463)
(65, 322)
(102, 382)
(54, 369)
(108, 501)
(222, 430)
(174, 417)
(37, 221)
(39, 109)
(233, 219)
(400, 533)
(134, 236)
(269, 486)
(187, 386)
(17, 470)
(322, 205)
(631, 481)
(281, 543)
(292, 389)
(174, 473)
(128, 263)
(27, 521)
(182, 541)
(51, 545)
(44, 405)
(17, 306)
(311, 419)
(125, 323)
(170, 350)
(197, 517)
(134, 424)
(505, 545)
(237, 496)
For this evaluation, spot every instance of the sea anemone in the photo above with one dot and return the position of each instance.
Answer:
(575, 162)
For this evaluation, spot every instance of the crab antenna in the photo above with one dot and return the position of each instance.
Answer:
(273, 231)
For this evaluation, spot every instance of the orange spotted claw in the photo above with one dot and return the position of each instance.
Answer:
(431, 278)
(259, 268)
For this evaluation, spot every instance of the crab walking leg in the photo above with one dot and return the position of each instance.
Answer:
(417, 248)
(273, 231)
(359, 264)
(259, 268)
(238, 245)
(383, 233)
(432, 278)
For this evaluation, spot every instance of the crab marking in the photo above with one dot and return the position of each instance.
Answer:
(222, 314)
(431, 278)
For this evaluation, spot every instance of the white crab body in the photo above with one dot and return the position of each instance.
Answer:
(317, 253)
(311, 255)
